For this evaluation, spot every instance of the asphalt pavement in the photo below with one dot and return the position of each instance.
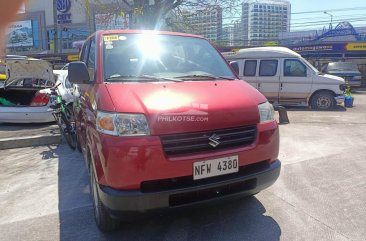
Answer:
(320, 194)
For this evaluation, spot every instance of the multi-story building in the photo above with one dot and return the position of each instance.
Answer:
(228, 36)
(206, 22)
(263, 20)
(49, 28)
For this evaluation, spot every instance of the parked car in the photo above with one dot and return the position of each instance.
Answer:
(2, 74)
(65, 67)
(25, 95)
(286, 78)
(347, 70)
(164, 123)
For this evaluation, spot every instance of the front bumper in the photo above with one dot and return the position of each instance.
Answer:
(354, 83)
(250, 180)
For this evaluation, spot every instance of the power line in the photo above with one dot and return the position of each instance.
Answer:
(331, 10)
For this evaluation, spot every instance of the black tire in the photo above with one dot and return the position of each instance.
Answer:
(322, 100)
(78, 145)
(68, 132)
(102, 217)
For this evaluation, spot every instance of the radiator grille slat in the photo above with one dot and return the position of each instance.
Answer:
(195, 142)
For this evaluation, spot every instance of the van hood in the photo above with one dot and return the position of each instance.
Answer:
(189, 106)
(341, 73)
(329, 79)
(28, 68)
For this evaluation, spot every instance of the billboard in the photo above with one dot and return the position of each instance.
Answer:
(20, 34)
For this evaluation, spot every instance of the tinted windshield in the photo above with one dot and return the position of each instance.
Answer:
(127, 57)
(345, 66)
(311, 66)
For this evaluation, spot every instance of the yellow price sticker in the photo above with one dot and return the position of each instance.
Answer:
(108, 38)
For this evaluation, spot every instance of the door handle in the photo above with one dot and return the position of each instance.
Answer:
(259, 85)
(281, 85)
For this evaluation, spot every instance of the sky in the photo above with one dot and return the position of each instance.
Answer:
(342, 10)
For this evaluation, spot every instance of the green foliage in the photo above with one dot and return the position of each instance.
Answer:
(347, 91)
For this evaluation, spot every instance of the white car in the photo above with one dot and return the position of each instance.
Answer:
(25, 95)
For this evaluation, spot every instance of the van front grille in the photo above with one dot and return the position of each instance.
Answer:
(190, 143)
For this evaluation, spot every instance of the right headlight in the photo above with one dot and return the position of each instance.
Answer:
(266, 112)
(121, 124)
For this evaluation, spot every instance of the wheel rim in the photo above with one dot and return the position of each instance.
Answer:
(323, 102)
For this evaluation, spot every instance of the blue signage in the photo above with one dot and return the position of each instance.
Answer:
(63, 6)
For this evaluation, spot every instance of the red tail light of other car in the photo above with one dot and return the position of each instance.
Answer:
(40, 99)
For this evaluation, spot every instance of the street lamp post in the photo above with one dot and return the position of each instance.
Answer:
(331, 19)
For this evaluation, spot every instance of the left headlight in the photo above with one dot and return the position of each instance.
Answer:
(266, 112)
(120, 124)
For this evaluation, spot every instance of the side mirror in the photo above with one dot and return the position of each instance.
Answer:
(235, 66)
(78, 73)
(282, 113)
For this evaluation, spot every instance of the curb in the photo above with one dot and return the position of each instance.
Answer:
(29, 141)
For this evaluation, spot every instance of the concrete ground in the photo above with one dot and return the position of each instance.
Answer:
(320, 194)
(25, 135)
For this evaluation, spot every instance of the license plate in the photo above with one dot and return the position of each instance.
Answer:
(215, 167)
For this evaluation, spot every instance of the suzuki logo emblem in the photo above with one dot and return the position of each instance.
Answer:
(214, 140)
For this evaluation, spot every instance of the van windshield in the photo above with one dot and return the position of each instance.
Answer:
(311, 66)
(153, 57)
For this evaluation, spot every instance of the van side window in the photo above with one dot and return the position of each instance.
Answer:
(268, 68)
(91, 60)
(250, 67)
(84, 52)
(294, 67)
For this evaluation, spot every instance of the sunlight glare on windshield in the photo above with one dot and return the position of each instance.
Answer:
(150, 45)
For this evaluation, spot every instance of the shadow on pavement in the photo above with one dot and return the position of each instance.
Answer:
(337, 108)
(243, 219)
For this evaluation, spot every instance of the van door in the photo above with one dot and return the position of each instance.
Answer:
(295, 82)
(268, 80)
(249, 72)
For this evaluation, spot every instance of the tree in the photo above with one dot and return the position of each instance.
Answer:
(148, 14)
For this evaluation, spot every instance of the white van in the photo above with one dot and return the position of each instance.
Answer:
(286, 78)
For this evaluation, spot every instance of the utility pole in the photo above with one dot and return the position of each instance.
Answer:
(55, 36)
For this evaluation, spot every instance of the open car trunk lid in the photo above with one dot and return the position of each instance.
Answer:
(24, 67)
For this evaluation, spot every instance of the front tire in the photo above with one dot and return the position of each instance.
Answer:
(322, 101)
(102, 217)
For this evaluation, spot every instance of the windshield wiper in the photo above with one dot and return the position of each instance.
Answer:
(204, 76)
(119, 77)
(160, 78)
(140, 78)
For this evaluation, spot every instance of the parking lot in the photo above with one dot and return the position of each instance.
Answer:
(320, 194)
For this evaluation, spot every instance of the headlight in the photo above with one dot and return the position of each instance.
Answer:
(117, 124)
(265, 112)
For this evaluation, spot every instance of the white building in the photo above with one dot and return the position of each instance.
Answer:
(228, 36)
(206, 22)
(263, 20)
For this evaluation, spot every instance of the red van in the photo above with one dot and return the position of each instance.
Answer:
(163, 122)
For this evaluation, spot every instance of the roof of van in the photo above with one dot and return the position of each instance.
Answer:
(263, 52)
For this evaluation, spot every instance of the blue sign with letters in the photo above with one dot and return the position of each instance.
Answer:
(63, 6)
